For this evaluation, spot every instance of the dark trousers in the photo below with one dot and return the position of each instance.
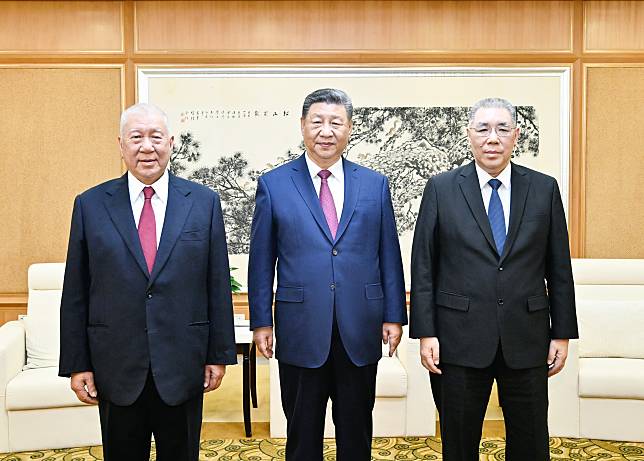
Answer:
(127, 430)
(305, 393)
(461, 395)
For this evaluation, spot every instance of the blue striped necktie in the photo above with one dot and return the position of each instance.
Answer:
(496, 216)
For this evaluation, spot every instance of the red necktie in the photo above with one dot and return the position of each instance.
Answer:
(327, 203)
(148, 229)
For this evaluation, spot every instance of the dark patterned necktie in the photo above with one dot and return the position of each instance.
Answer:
(496, 216)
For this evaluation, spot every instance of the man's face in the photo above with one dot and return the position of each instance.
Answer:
(145, 146)
(326, 129)
(492, 137)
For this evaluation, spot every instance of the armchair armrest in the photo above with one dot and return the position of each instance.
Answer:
(421, 411)
(563, 395)
(12, 352)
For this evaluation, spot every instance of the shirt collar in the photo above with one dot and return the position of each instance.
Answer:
(160, 186)
(336, 169)
(504, 176)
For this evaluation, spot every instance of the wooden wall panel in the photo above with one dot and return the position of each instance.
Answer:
(614, 26)
(38, 26)
(457, 26)
(59, 130)
(614, 162)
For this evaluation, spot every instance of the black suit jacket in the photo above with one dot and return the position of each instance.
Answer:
(119, 321)
(469, 296)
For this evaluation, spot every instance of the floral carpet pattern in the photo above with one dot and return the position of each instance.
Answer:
(384, 449)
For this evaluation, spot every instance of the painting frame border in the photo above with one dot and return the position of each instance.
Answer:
(562, 106)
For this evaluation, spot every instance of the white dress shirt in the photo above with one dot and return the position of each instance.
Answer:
(336, 181)
(504, 190)
(159, 199)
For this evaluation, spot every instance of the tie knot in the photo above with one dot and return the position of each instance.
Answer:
(494, 183)
(324, 174)
(148, 192)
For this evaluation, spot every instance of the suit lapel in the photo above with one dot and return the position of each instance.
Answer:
(520, 184)
(471, 189)
(119, 208)
(176, 213)
(351, 189)
(304, 185)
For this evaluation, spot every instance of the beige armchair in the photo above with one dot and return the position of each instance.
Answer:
(38, 410)
(600, 392)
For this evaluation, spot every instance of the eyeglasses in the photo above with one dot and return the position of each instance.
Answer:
(486, 132)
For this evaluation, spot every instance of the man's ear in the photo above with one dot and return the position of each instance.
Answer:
(302, 125)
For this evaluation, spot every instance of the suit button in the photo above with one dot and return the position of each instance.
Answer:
(500, 301)
(500, 268)
(149, 295)
(334, 252)
(333, 286)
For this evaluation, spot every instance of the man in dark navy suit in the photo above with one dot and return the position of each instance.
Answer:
(146, 312)
(329, 225)
(492, 293)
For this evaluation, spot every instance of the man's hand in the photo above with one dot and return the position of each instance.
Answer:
(430, 354)
(391, 334)
(82, 384)
(263, 338)
(213, 374)
(557, 356)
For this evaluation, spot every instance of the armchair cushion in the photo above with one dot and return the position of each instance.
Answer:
(392, 378)
(40, 388)
(606, 328)
(611, 378)
(43, 315)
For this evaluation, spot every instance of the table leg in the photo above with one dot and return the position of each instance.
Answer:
(246, 389)
(253, 374)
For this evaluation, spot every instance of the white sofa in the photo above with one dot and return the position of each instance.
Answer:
(404, 404)
(600, 392)
(38, 410)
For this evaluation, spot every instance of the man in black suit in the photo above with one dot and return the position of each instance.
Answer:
(492, 293)
(146, 314)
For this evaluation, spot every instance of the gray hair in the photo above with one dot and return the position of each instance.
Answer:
(328, 96)
(142, 108)
(495, 103)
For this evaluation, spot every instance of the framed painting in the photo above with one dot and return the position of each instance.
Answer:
(233, 124)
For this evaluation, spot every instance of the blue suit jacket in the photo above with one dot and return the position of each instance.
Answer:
(359, 273)
(119, 321)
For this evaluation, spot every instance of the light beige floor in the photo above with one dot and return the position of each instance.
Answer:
(224, 405)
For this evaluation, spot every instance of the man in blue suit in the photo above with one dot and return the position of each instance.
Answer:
(329, 225)
(146, 312)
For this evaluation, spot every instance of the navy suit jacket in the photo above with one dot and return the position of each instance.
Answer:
(119, 321)
(358, 274)
(472, 298)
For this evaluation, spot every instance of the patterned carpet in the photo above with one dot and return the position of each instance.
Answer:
(384, 449)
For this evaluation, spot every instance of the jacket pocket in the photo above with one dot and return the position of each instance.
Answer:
(373, 291)
(453, 301)
(289, 294)
(197, 234)
(536, 303)
(199, 323)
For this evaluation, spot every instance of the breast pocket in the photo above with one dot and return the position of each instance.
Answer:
(194, 234)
